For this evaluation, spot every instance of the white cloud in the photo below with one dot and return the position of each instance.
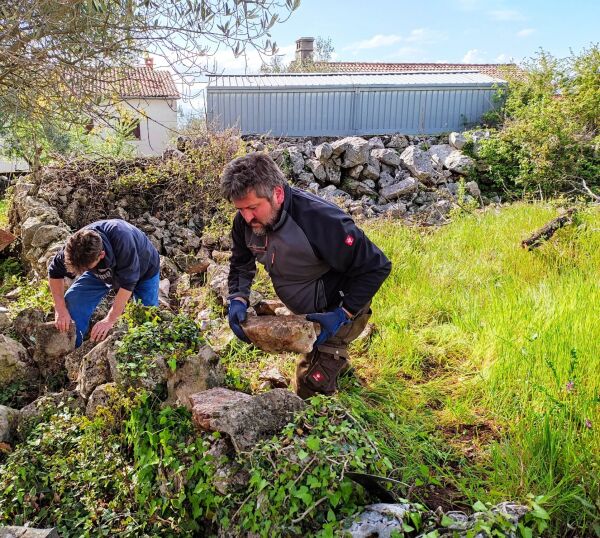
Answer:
(506, 15)
(503, 58)
(474, 56)
(377, 41)
(525, 32)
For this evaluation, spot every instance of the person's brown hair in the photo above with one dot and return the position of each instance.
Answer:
(82, 250)
(253, 171)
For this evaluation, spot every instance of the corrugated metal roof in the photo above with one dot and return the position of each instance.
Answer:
(319, 80)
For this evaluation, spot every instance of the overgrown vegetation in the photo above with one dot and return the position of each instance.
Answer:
(548, 136)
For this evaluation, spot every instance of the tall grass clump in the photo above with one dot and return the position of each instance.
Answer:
(483, 375)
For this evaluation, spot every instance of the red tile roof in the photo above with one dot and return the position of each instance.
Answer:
(494, 70)
(143, 82)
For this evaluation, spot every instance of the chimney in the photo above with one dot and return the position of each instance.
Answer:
(149, 62)
(304, 49)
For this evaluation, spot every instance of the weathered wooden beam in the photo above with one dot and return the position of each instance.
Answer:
(548, 230)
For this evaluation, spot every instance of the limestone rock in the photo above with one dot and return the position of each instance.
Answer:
(275, 378)
(297, 160)
(267, 307)
(51, 347)
(473, 189)
(418, 162)
(317, 168)
(168, 269)
(198, 372)
(27, 532)
(217, 280)
(402, 188)
(457, 140)
(398, 142)
(15, 366)
(439, 153)
(458, 162)
(74, 359)
(376, 143)
(9, 419)
(97, 366)
(49, 233)
(356, 151)
(323, 151)
(100, 397)
(277, 334)
(387, 156)
(25, 323)
(5, 321)
(246, 419)
(379, 519)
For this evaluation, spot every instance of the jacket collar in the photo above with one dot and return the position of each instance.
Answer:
(287, 202)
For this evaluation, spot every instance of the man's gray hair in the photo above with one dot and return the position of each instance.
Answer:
(253, 171)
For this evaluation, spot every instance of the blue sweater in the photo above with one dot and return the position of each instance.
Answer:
(130, 256)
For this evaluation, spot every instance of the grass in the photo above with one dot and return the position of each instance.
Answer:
(483, 379)
(3, 213)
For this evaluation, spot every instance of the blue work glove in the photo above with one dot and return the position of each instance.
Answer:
(330, 323)
(237, 314)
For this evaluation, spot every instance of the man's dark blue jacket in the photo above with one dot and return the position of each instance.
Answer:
(130, 256)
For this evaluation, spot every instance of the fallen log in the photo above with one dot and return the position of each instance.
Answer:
(548, 230)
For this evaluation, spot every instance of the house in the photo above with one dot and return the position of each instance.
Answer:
(146, 101)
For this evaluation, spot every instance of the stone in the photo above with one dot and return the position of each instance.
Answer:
(386, 156)
(306, 178)
(268, 307)
(297, 160)
(197, 373)
(5, 321)
(100, 397)
(402, 188)
(395, 210)
(439, 153)
(27, 532)
(217, 280)
(97, 366)
(9, 419)
(164, 288)
(324, 151)
(168, 269)
(418, 162)
(317, 168)
(355, 171)
(459, 163)
(376, 143)
(6, 238)
(36, 410)
(229, 476)
(473, 189)
(209, 406)
(386, 179)
(49, 233)
(51, 347)
(221, 256)
(246, 419)
(74, 359)
(397, 141)
(355, 151)
(457, 140)
(274, 377)
(381, 519)
(277, 334)
(334, 174)
(15, 366)
(26, 321)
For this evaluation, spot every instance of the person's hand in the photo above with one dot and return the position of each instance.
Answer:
(237, 314)
(330, 323)
(62, 319)
(100, 330)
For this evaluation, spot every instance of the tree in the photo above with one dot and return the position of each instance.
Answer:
(60, 58)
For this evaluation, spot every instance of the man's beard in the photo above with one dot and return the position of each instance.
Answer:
(264, 228)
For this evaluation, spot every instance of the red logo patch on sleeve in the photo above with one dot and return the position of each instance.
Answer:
(349, 240)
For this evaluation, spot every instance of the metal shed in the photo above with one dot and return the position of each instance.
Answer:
(341, 104)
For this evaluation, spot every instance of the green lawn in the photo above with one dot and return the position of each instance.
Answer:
(483, 379)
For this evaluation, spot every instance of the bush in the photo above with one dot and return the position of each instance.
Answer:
(550, 133)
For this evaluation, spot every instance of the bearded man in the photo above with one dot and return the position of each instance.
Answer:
(321, 264)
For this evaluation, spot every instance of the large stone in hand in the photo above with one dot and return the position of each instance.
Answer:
(277, 334)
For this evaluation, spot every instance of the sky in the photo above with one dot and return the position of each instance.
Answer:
(452, 31)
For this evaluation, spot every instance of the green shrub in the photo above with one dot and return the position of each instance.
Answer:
(549, 137)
